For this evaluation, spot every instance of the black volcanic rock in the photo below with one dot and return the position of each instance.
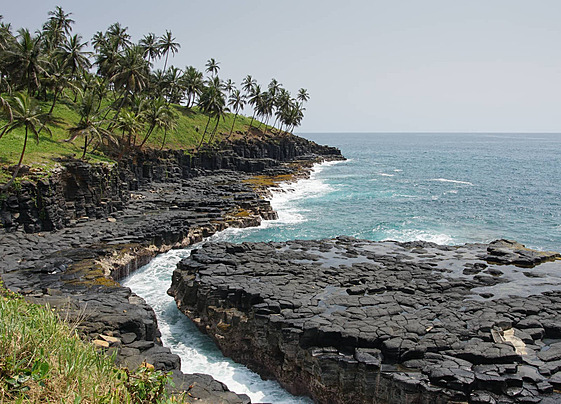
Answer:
(65, 240)
(351, 321)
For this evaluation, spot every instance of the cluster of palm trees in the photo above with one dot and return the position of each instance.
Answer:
(120, 98)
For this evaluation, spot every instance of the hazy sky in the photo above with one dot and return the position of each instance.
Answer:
(370, 66)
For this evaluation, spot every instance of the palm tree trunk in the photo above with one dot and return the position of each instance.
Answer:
(214, 130)
(275, 123)
(16, 171)
(251, 123)
(147, 136)
(166, 62)
(232, 128)
(55, 96)
(164, 140)
(204, 133)
(85, 146)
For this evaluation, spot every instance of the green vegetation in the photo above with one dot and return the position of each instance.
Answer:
(110, 102)
(43, 360)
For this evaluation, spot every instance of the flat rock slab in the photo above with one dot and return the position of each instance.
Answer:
(347, 320)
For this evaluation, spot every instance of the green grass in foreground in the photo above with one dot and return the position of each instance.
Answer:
(43, 360)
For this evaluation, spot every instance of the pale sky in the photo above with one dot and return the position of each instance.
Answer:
(369, 66)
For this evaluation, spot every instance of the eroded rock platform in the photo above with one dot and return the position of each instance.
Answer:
(354, 321)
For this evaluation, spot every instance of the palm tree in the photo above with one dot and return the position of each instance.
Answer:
(56, 80)
(212, 103)
(117, 37)
(6, 37)
(282, 101)
(26, 113)
(212, 67)
(291, 115)
(167, 45)
(156, 115)
(150, 45)
(169, 123)
(265, 106)
(229, 86)
(158, 83)
(25, 61)
(73, 56)
(303, 96)
(255, 96)
(4, 104)
(237, 102)
(295, 116)
(90, 124)
(130, 124)
(274, 86)
(192, 81)
(131, 74)
(175, 90)
(248, 83)
(56, 28)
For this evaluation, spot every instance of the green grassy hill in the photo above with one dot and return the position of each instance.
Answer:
(43, 155)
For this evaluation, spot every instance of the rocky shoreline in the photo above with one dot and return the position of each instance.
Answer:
(355, 321)
(66, 240)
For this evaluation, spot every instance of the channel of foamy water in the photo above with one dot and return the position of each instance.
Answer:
(197, 351)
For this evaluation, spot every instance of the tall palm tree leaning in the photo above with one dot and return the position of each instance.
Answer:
(26, 113)
(237, 102)
(167, 45)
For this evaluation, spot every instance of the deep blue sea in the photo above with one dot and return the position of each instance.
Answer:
(445, 188)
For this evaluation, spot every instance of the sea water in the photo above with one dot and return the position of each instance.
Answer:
(444, 188)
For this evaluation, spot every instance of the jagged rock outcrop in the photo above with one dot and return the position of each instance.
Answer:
(355, 321)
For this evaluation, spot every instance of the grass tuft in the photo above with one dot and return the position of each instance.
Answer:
(42, 360)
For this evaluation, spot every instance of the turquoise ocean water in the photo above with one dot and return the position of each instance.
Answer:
(445, 188)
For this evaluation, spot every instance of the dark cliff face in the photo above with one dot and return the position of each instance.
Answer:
(81, 191)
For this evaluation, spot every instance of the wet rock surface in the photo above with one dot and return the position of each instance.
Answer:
(75, 269)
(67, 239)
(349, 321)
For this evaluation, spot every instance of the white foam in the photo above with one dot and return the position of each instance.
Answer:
(385, 175)
(197, 352)
(397, 170)
(452, 181)
(284, 198)
(414, 235)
